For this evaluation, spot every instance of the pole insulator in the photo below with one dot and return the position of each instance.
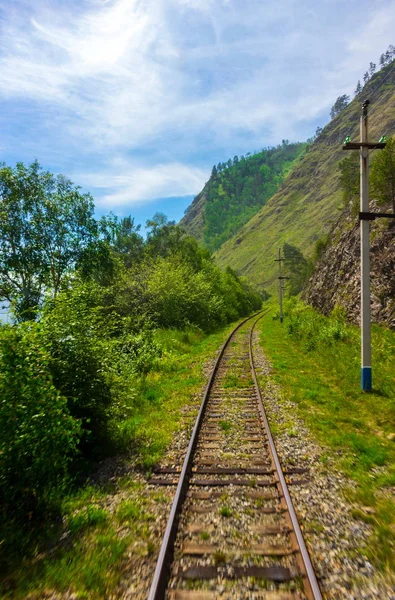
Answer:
(365, 106)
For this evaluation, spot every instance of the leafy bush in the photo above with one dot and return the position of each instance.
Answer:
(140, 351)
(79, 340)
(313, 329)
(38, 435)
(239, 299)
(208, 298)
(320, 247)
(180, 296)
(95, 361)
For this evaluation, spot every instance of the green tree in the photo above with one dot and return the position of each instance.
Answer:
(163, 236)
(46, 224)
(123, 237)
(297, 268)
(242, 188)
(339, 105)
(349, 177)
(382, 175)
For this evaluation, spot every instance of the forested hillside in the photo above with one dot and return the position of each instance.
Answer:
(310, 200)
(236, 190)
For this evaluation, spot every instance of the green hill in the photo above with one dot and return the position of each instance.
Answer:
(237, 190)
(309, 201)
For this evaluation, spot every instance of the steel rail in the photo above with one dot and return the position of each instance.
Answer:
(312, 589)
(159, 582)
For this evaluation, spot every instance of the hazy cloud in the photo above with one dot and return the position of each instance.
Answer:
(139, 97)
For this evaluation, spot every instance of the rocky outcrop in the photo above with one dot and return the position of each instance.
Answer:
(193, 220)
(336, 279)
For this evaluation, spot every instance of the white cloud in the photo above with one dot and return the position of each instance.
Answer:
(131, 185)
(143, 78)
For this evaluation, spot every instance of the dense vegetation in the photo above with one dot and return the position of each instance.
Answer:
(73, 365)
(297, 268)
(238, 188)
(382, 177)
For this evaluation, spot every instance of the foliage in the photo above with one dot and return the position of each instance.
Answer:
(94, 359)
(123, 237)
(320, 246)
(39, 437)
(165, 238)
(297, 268)
(98, 343)
(238, 188)
(339, 105)
(312, 329)
(382, 177)
(349, 179)
(46, 224)
(90, 558)
(181, 297)
(77, 385)
(78, 336)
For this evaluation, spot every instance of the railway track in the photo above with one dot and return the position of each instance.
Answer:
(232, 532)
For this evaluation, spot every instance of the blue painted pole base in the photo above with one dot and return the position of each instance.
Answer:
(366, 379)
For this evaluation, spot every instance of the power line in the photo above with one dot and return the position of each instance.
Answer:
(374, 94)
(380, 84)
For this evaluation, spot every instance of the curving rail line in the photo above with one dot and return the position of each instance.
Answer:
(231, 394)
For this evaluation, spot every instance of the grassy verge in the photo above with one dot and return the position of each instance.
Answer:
(108, 529)
(316, 361)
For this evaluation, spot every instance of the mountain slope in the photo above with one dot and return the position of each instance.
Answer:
(335, 281)
(309, 201)
(236, 191)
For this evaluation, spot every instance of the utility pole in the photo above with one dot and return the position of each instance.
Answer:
(365, 216)
(366, 344)
(280, 284)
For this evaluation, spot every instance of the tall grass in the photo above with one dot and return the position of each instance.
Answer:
(316, 360)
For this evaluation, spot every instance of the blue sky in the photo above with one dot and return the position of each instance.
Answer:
(135, 100)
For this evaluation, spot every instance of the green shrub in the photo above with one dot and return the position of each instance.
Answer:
(140, 351)
(79, 337)
(96, 362)
(181, 297)
(313, 329)
(38, 435)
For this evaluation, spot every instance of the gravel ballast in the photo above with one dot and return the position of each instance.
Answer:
(334, 538)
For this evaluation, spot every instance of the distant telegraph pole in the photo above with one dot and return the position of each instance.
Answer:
(365, 216)
(280, 284)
